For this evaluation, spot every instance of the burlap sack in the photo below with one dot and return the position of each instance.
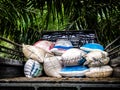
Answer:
(32, 68)
(72, 57)
(34, 53)
(52, 66)
(103, 71)
(96, 59)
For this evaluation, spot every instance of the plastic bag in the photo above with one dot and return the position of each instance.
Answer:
(44, 44)
(92, 47)
(73, 56)
(32, 68)
(52, 66)
(61, 46)
(74, 71)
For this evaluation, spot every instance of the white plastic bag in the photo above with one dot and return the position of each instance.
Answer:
(74, 71)
(32, 68)
(92, 47)
(73, 56)
(61, 46)
(44, 44)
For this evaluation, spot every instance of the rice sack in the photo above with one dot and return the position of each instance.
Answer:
(96, 58)
(73, 56)
(35, 53)
(44, 44)
(92, 47)
(99, 72)
(52, 66)
(74, 71)
(61, 46)
(33, 68)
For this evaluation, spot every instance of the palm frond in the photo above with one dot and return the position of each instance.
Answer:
(32, 16)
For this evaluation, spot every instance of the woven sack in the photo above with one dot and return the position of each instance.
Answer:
(116, 71)
(49, 54)
(34, 53)
(115, 62)
(103, 71)
(44, 44)
(92, 47)
(99, 62)
(32, 68)
(96, 58)
(52, 66)
(73, 56)
(61, 46)
(74, 71)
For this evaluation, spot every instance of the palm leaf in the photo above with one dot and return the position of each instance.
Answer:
(20, 16)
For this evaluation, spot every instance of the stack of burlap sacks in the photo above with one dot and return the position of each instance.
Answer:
(61, 59)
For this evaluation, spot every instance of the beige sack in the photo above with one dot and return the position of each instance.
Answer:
(44, 44)
(100, 62)
(52, 66)
(49, 54)
(72, 57)
(103, 71)
(96, 58)
(34, 53)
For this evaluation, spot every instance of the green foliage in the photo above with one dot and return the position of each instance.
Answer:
(5, 44)
(23, 20)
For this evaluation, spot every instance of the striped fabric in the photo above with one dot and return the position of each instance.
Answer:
(32, 68)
